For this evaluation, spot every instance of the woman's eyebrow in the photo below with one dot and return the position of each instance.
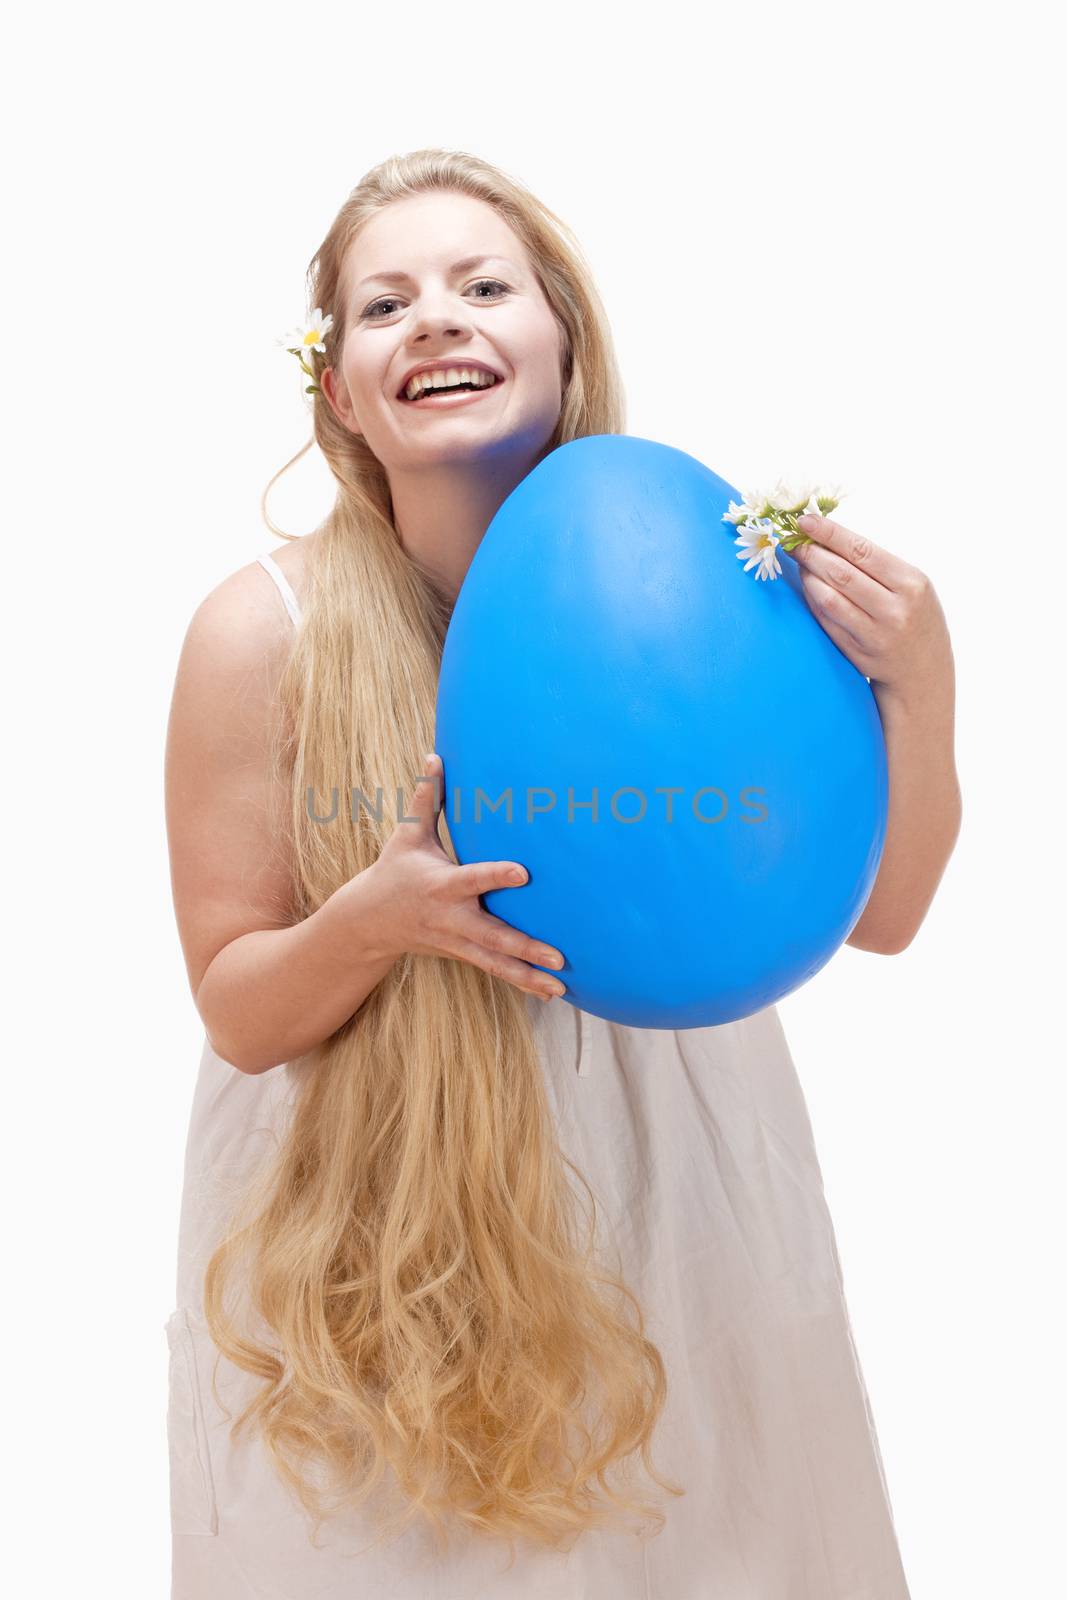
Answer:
(457, 266)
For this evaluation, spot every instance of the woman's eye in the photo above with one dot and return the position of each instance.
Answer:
(492, 283)
(375, 309)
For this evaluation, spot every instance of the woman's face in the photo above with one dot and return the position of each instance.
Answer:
(411, 296)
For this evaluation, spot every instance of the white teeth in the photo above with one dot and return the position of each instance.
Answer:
(445, 377)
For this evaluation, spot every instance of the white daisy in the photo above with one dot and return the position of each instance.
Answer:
(758, 542)
(310, 335)
(791, 497)
(755, 504)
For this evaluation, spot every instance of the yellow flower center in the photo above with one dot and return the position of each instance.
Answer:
(312, 336)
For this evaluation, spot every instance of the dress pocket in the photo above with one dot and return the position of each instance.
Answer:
(192, 1489)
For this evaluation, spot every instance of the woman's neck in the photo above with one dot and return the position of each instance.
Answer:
(441, 515)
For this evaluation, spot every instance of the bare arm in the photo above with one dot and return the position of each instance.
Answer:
(272, 994)
(268, 986)
(884, 615)
(925, 811)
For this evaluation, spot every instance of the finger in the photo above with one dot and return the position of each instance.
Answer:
(500, 937)
(479, 877)
(880, 565)
(835, 614)
(426, 802)
(865, 593)
(507, 967)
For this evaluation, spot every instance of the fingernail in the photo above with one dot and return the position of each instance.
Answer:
(807, 523)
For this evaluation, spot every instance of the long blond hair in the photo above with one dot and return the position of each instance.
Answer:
(413, 1245)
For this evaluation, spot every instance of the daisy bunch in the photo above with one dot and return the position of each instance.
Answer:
(767, 522)
(304, 338)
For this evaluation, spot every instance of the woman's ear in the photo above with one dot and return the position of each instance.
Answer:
(338, 399)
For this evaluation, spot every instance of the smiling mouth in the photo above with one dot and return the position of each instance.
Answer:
(457, 392)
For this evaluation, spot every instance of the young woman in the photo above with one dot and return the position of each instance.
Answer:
(477, 1294)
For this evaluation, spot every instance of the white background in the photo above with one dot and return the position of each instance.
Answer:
(826, 236)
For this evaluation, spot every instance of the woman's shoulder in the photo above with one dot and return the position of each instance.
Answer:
(254, 591)
(242, 618)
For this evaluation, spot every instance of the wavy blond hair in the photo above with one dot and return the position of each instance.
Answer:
(413, 1244)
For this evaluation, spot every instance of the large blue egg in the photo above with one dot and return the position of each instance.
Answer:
(607, 641)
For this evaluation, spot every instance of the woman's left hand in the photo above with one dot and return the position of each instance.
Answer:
(881, 612)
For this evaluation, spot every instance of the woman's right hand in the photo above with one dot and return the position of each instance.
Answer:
(428, 905)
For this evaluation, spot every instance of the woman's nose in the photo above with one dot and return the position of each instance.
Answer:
(439, 317)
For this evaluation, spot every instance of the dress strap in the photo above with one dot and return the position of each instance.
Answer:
(269, 564)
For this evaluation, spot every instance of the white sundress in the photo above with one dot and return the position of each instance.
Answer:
(699, 1150)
